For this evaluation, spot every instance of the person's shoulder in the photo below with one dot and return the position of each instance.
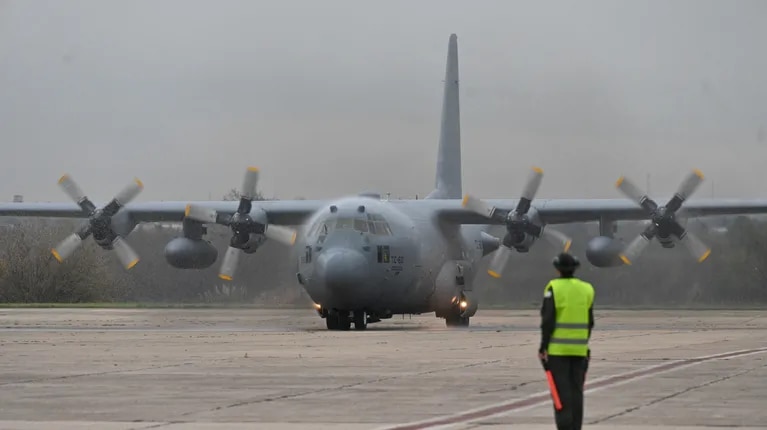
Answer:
(548, 291)
(586, 284)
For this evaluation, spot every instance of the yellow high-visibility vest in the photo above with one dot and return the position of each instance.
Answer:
(572, 298)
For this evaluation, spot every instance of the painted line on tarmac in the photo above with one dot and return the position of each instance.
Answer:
(537, 399)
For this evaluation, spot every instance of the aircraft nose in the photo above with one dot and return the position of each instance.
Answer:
(344, 271)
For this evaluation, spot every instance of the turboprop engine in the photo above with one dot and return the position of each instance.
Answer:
(249, 225)
(523, 225)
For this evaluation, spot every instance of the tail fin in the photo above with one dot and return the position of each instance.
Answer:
(448, 183)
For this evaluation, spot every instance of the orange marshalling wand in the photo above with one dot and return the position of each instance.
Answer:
(552, 387)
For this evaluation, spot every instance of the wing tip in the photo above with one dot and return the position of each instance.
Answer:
(620, 181)
(537, 169)
(465, 201)
(698, 173)
(704, 256)
(132, 264)
(225, 277)
(253, 169)
(63, 178)
(494, 274)
(139, 183)
(625, 260)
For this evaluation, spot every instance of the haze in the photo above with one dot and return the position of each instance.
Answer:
(337, 97)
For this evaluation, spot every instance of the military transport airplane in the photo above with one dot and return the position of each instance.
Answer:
(363, 259)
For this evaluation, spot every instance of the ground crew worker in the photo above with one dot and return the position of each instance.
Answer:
(567, 319)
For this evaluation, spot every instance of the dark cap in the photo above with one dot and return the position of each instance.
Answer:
(565, 261)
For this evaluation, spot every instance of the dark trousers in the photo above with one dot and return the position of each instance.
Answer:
(569, 373)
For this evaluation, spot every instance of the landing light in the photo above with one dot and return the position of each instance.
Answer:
(464, 304)
(317, 306)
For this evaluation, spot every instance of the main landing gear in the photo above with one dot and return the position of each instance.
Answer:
(456, 320)
(336, 320)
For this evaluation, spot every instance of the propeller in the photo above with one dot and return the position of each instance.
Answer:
(99, 224)
(243, 223)
(663, 218)
(522, 224)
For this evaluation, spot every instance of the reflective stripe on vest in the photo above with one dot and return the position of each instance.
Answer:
(572, 299)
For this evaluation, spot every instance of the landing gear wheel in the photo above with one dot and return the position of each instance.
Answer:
(360, 320)
(456, 321)
(344, 322)
(338, 321)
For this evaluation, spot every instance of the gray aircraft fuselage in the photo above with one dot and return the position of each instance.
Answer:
(381, 256)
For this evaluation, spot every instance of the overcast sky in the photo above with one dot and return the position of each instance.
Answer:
(335, 97)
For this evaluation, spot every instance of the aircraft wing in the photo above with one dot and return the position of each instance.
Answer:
(279, 212)
(562, 211)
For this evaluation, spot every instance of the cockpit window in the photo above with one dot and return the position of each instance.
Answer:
(320, 228)
(344, 223)
(365, 223)
(361, 225)
(378, 225)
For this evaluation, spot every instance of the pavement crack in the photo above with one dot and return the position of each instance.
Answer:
(345, 386)
(675, 394)
(156, 426)
(509, 387)
(81, 375)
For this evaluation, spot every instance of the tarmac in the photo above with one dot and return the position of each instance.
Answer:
(281, 369)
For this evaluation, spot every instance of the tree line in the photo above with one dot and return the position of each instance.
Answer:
(734, 274)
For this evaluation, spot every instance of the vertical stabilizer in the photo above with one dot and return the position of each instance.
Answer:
(448, 184)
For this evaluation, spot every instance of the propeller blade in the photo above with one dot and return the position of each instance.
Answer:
(697, 248)
(201, 214)
(249, 183)
(281, 234)
(634, 249)
(127, 194)
(229, 265)
(688, 186)
(125, 253)
(71, 188)
(557, 239)
(690, 183)
(123, 197)
(66, 247)
(635, 194)
(478, 206)
(501, 258)
(76, 193)
(529, 191)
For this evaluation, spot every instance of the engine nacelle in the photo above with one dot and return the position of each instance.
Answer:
(603, 251)
(184, 253)
(516, 236)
